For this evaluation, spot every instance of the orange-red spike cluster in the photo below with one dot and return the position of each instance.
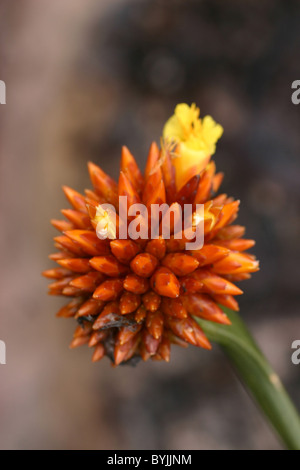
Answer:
(134, 298)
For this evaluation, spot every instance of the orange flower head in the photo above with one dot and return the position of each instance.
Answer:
(133, 297)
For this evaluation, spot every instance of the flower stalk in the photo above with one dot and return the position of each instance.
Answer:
(257, 375)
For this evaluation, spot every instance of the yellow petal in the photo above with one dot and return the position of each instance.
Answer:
(188, 163)
(211, 133)
(173, 128)
(194, 141)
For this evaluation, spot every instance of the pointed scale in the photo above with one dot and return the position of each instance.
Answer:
(90, 307)
(189, 330)
(190, 285)
(89, 242)
(227, 301)
(164, 349)
(62, 225)
(88, 282)
(155, 324)
(180, 263)
(109, 315)
(70, 309)
(215, 284)
(187, 193)
(151, 301)
(57, 273)
(79, 341)
(168, 171)
(124, 250)
(129, 302)
(78, 219)
(92, 195)
(164, 282)
(99, 353)
(210, 253)
(158, 196)
(151, 343)
(78, 265)
(205, 185)
(236, 244)
(130, 168)
(157, 248)
(97, 336)
(108, 265)
(153, 157)
(109, 290)
(61, 255)
(125, 351)
(174, 308)
(59, 285)
(126, 333)
(154, 179)
(144, 264)
(140, 314)
(202, 305)
(104, 185)
(75, 199)
(68, 244)
(228, 212)
(136, 284)
(236, 263)
(126, 189)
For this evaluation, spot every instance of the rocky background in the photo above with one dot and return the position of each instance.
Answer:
(84, 78)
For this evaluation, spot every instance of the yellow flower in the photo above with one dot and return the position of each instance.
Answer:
(194, 139)
(105, 219)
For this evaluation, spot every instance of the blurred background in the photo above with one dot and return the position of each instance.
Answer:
(83, 78)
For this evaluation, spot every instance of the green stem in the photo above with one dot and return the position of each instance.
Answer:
(257, 374)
